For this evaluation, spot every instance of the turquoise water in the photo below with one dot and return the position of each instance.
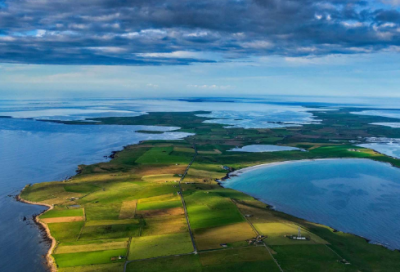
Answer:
(351, 195)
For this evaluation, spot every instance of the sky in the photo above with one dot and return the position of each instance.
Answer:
(153, 48)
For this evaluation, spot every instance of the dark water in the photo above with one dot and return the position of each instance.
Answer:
(356, 196)
(33, 151)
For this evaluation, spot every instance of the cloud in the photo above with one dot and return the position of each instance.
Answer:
(210, 87)
(170, 32)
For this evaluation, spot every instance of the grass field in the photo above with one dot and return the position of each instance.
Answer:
(128, 209)
(65, 232)
(304, 258)
(276, 233)
(162, 155)
(241, 259)
(208, 210)
(189, 263)
(164, 225)
(210, 238)
(163, 245)
(111, 222)
(62, 213)
(110, 231)
(112, 267)
(96, 245)
(89, 258)
(133, 201)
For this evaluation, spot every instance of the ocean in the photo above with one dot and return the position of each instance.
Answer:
(33, 151)
(357, 196)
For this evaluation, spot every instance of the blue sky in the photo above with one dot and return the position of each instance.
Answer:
(156, 48)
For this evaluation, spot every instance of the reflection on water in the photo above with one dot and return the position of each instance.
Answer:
(355, 196)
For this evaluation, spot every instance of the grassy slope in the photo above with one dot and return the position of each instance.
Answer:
(146, 173)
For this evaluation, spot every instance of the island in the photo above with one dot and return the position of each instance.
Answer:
(161, 205)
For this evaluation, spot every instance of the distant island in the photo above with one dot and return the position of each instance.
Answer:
(159, 205)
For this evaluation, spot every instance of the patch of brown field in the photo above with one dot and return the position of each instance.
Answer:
(91, 247)
(210, 238)
(63, 219)
(165, 225)
(162, 212)
(128, 209)
(152, 170)
(103, 177)
(166, 197)
(257, 212)
(61, 198)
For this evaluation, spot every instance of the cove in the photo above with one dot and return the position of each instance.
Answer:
(356, 196)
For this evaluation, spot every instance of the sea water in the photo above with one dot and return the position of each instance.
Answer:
(33, 151)
(351, 195)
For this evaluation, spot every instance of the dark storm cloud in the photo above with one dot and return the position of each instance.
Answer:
(151, 32)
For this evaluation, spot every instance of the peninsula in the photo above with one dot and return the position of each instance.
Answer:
(159, 206)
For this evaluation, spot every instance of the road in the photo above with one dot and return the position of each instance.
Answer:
(186, 214)
(183, 200)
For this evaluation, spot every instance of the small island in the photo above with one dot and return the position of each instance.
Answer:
(159, 205)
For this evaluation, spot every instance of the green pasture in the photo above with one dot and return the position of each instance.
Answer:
(110, 231)
(62, 213)
(89, 258)
(185, 263)
(66, 232)
(162, 245)
(208, 210)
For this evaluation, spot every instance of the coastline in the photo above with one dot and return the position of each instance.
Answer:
(44, 229)
(50, 262)
(265, 165)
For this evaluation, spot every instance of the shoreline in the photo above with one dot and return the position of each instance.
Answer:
(44, 230)
(264, 165)
(239, 172)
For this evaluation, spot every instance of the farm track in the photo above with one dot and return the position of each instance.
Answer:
(186, 216)
(258, 234)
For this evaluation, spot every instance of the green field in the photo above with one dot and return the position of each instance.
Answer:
(309, 258)
(189, 263)
(62, 213)
(132, 204)
(66, 232)
(89, 258)
(243, 259)
(111, 267)
(163, 245)
(208, 210)
(95, 245)
(110, 231)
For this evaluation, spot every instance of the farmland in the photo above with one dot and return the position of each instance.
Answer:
(129, 212)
